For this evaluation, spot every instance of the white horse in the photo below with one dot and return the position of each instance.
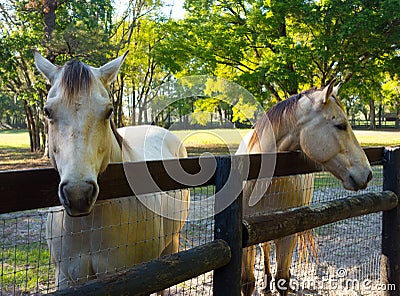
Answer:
(314, 122)
(89, 239)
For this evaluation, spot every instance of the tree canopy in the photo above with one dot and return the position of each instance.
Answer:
(271, 48)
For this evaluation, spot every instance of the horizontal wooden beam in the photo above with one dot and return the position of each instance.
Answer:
(158, 274)
(37, 188)
(293, 163)
(278, 224)
(28, 189)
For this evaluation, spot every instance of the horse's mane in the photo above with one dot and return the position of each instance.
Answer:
(281, 112)
(117, 136)
(76, 78)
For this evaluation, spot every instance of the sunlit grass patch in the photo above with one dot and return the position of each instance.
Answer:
(211, 137)
(378, 138)
(14, 139)
(26, 266)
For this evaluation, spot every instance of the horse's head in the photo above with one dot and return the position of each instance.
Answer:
(327, 138)
(78, 111)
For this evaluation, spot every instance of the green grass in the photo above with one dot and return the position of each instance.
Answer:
(25, 266)
(378, 138)
(232, 137)
(10, 139)
(212, 139)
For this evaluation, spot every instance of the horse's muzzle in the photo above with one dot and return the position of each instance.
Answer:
(78, 198)
(357, 183)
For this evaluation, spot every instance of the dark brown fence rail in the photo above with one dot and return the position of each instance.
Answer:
(158, 274)
(259, 229)
(37, 188)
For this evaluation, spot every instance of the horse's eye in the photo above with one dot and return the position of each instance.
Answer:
(341, 126)
(109, 113)
(47, 113)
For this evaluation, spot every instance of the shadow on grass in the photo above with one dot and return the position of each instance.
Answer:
(21, 158)
(213, 149)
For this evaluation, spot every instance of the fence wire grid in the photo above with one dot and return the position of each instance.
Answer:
(343, 259)
(348, 249)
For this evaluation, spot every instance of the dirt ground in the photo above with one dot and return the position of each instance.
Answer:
(19, 159)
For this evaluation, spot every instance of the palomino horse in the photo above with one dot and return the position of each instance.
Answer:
(89, 241)
(314, 122)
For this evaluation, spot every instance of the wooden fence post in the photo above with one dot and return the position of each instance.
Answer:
(228, 224)
(390, 264)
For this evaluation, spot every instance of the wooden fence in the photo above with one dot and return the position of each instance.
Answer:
(32, 189)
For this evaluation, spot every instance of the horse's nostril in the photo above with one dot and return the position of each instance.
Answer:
(369, 178)
(92, 192)
(63, 193)
(353, 182)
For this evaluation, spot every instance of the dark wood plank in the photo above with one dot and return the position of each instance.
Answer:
(278, 224)
(37, 188)
(228, 224)
(390, 264)
(374, 154)
(28, 189)
(158, 274)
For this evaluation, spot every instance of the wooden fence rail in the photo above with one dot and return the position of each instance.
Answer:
(159, 274)
(37, 188)
(268, 227)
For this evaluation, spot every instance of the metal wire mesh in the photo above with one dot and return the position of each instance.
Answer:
(27, 267)
(25, 260)
(346, 250)
(198, 229)
(346, 260)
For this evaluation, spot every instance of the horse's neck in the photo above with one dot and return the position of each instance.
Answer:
(287, 138)
(116, 150)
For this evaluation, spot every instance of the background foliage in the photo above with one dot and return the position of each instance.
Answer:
(272, 48)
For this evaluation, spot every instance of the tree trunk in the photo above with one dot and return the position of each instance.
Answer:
(30, 122)
(140, 115)
(145, 115)
(120, 94)
(37, 132)
(221, 120)
(133, 120)
(372, 124)
(49, 9)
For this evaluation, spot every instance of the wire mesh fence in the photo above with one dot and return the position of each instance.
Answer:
(27, 265)
(346, 250)
(342, 258)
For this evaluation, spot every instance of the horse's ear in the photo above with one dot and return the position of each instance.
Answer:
(109, 71)
(327, 91)
(45, 67)
(336, 88)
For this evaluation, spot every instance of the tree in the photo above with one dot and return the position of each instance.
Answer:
(277, 48)
(76, 30)
(142, 74)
